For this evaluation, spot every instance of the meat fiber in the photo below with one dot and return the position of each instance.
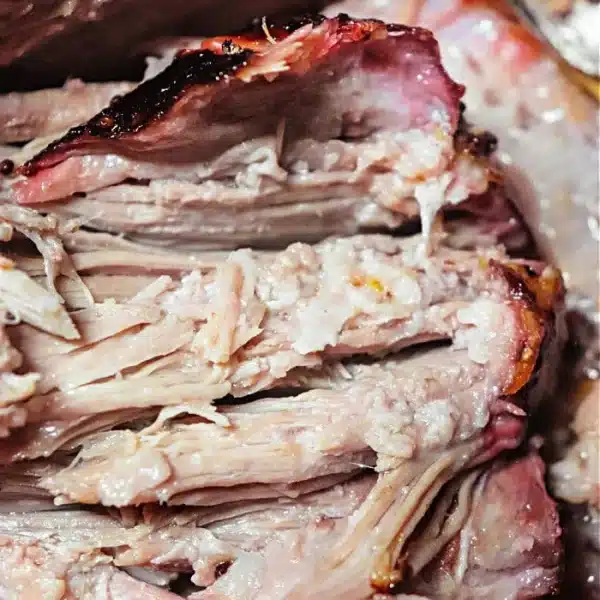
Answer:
(241, 551)
(317, 422)
(277, 441)
(246, 124)
(195, 332)
(480, 359)
(24, 300)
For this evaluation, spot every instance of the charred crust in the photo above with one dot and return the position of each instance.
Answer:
(537, 297)
(473, 141)
(389, 583)
(230, 47)
(517, 287)
(222, 568)
(150, 100)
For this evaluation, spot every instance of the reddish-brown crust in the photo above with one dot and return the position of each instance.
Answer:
(536, 298)
(472, 140)
(218, 60)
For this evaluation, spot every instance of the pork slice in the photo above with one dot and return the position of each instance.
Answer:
(285, 123)
(517, 90)
(19, 487)
(545, 121)
(45, 232)
(42, 438)
(278, 549)
(37, 573)
(28, 301)
(383, 409)
(199, 541)
(291, 563)
(215, 496)
(24, 116)
(243, 329)
(22, 298)
(16, 390)
(254, 318)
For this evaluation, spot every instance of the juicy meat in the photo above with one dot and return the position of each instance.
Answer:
(509, 545)
(283, 115)
(15, 390)
(515, 96)
(275, 549)
(269, 315)
(183, 540)
(33, 572)
(323, 431)
(24, 116)
(173, 455)
(546, 124)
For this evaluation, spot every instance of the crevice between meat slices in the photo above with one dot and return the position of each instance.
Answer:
(353, 123)
(243, 324)
(271, 549)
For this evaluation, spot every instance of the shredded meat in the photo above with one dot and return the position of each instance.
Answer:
(313, 417)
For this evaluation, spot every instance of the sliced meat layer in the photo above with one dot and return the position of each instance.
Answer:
(277, 441)
(547, 126)
(353, 123)
(488, 363)
(527, 567)
(244, 324)
(33, 572)
(24, 116)
(275, 550)
(183, 540)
